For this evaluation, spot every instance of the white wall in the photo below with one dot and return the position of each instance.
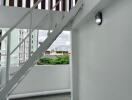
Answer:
(102, 58)
(45, 78)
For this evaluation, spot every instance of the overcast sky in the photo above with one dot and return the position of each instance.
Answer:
(63, 42)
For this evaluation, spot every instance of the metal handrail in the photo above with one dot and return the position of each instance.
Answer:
(34, 28)
(21, 19)
(8, 33)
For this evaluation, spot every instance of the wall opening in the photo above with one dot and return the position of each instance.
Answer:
(59, 52)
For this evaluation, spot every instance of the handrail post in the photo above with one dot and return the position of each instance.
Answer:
(8, 57)
(30, 31)
(24, 51)
(21, 19)
(29, 51)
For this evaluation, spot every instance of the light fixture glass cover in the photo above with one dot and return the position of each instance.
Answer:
(98, 18)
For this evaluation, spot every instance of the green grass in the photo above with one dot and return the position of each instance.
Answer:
(54, 61)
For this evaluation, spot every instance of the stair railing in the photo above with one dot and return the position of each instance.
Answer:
(38, 53)
(21, 19)
(8, 36)
(48, 15)
(43, 19)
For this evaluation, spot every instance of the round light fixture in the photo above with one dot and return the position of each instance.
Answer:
(98, 18)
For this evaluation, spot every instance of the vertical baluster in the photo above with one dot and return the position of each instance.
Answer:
(30, 30)
(29, 52)
(37, 38)
(24, 3)
(8, 57)
(15, 3)
(27, 3)
(24, 51)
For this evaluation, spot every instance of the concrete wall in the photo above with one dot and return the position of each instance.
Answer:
(44, 78)
(102, 58)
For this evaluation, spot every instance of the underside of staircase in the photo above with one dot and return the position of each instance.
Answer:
(12, 83)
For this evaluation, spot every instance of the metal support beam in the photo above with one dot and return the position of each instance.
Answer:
(8, 61)
(8, 57)
(30, 31)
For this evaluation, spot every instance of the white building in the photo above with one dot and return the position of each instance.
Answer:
(21, 54)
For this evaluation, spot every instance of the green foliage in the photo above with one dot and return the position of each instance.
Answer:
(54, 61)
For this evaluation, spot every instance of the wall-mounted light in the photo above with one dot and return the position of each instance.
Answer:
(99, 18)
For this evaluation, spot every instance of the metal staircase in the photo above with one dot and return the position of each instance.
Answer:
(19, 75)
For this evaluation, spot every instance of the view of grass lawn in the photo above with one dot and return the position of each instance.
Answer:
(54, 61)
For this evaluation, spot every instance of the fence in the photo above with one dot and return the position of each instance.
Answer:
(64, 5)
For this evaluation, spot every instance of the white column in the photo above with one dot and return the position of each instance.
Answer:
(73, 3)
(67, 5)
(60, 6)
(15, 3)
(8, 57)
(7, 2)
(31, 3)
(46, 4)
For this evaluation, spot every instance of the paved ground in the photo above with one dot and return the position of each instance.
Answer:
(50, 97)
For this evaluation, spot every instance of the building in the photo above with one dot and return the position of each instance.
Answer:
(20, 55)
(101, 50)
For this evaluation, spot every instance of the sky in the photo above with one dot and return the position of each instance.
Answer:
(63, 42)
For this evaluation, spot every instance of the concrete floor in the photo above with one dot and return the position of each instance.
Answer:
(49, 97)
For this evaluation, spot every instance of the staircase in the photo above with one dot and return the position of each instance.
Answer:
(19, 75)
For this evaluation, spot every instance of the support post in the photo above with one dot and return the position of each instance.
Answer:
(8, 60)
(24, 51)
(8, 57)
(30, 30)
(29, 50)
